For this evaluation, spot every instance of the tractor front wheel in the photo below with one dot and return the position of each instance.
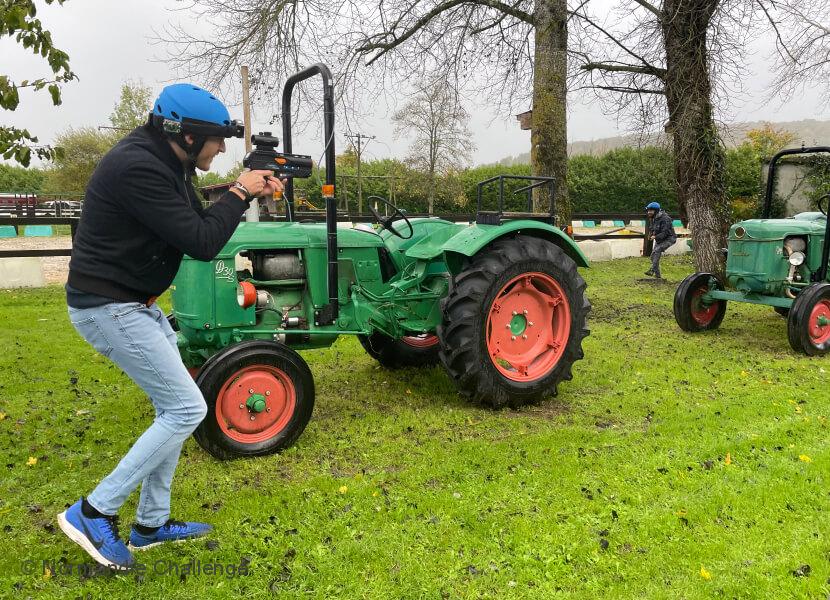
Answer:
(513, 322)
(259, 395)
(690, 311)
(408, 351)
(808, 326)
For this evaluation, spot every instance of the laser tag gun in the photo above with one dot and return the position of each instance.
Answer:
(265, 156)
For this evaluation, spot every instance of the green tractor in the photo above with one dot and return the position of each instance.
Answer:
(497, 301)
(777, 262)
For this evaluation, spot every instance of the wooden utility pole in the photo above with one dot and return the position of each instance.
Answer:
(246, 108)
(359, 137)
(252, 214)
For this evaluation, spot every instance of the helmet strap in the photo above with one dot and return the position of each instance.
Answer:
(193, 150)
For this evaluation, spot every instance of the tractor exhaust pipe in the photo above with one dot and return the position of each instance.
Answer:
(329, 313)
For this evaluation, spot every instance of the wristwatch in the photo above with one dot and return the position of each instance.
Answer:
(248, 195)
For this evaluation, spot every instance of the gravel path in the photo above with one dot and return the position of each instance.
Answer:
(55, 268)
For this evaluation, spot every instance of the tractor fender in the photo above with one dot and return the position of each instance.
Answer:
(471, 240)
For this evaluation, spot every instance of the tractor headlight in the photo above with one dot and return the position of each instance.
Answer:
(246, 294)
(796, 258)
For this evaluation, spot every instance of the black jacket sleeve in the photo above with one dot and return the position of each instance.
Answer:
(153, 199)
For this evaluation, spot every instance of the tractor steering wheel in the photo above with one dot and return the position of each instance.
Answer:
(826, 206)
(387, 223)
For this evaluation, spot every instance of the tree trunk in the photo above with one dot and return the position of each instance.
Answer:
(698, 150)
(549, 134)
(431, 194)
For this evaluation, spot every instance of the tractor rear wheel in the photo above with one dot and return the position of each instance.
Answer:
(690, 312)
(782, 310)
(808, 326)
(513, 322)
(409, 351)
(259, 395)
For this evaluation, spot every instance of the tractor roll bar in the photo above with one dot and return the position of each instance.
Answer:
(771, 173)
(821, 274)
(327, 316)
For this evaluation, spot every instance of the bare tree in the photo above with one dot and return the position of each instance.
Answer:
(803, 45)
(495, 48)
(671, 62)
(441, 135)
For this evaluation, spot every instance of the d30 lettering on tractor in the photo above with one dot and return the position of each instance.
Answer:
(497, 301)
(781, 263)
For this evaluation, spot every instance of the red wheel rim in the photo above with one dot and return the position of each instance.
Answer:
(820, 323)
(232, 404)
(528, 327)
(425, 340)
(701, 313)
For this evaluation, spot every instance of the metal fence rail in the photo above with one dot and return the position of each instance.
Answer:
(37, 217)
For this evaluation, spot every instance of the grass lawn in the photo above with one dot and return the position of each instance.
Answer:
(672, 466)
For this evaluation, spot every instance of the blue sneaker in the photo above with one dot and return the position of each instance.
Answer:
(171, 531)
(98, 537)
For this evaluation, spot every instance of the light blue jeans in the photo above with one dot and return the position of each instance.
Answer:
(141, 342)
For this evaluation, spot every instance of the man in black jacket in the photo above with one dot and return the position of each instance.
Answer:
(140, 215)
(662, 232)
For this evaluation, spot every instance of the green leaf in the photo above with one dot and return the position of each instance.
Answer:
(24, 156)
(55, 91)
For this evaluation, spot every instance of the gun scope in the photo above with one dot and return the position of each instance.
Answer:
(264, 138)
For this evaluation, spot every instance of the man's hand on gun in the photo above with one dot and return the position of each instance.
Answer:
(259, 183)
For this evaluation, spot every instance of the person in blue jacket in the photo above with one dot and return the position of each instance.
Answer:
(662, 232)
(140, 216)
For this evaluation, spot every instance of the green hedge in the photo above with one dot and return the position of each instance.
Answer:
(622, 180)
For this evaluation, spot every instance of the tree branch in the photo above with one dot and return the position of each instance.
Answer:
(778, 38)
(657, 12)
(623, 68)
(627, 90)
(396, 41)
(607, 34)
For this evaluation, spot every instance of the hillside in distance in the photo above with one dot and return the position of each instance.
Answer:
(810, 132)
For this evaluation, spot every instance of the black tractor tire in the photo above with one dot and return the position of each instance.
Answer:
(782, 310)
(272, 370)
(410, 351)
(689, 312)
(471, 336)
(804, 329)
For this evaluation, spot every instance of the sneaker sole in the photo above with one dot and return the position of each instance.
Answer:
(154, 544)
(79, 538)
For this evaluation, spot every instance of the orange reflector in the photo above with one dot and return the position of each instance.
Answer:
(328, 191)
(281, 160)
(570, 231)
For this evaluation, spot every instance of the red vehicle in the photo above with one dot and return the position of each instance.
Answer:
(10, 202)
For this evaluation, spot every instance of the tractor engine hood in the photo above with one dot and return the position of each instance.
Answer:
(812, 223)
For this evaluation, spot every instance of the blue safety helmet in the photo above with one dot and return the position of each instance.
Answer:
(186, 108)
(653, 205)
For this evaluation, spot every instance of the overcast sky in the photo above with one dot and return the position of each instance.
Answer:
(109, 42)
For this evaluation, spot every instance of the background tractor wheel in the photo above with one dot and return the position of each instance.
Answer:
(781, 310)
(409, 351)
(808, 326)
(513, 322)
(259, 395)
(690, 312)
